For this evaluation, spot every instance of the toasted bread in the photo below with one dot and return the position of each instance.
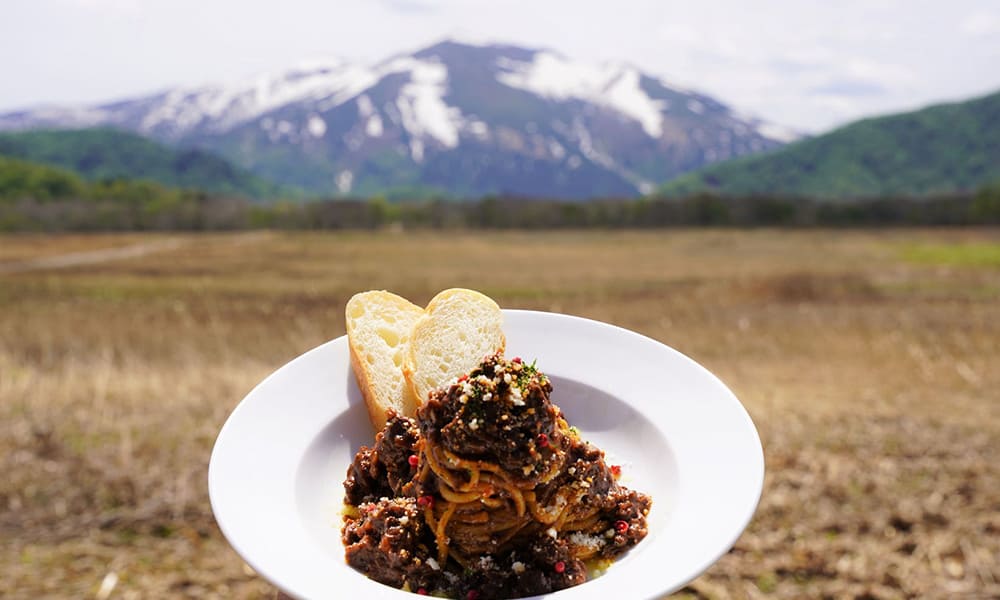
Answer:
(458, 328)
(379, 325)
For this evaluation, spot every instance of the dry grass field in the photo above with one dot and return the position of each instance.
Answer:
(869, 360)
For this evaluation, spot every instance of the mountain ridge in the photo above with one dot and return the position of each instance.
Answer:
(460, 119)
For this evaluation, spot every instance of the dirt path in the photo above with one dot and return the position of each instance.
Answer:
(89, 257)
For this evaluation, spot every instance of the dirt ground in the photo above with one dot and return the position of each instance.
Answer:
(869, 360)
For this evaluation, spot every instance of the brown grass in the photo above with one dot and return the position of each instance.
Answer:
(871, 370)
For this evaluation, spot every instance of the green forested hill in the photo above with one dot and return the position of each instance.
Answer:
(103, 154)
(941, 149)
(41, 184)
(21, 179)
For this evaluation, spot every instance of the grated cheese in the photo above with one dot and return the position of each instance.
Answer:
(582, 540)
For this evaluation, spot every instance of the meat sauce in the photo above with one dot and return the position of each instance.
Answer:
(385, 533)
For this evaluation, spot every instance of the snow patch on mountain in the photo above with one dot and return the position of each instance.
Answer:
(422, 107)
(556, 149)
(366, 111)
(417, 150)
(365, 106)
(478, 129)
(373, 126)
(77, 116)
(316, 126)
(323, 85)
(588, 148)
(226, 106)
(695, 107)
(614, 86)
(344, 181)
(627, 96)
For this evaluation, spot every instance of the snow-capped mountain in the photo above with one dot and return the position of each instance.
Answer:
(453, 118)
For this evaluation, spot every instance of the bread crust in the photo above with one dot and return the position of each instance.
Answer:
(410, 361)
(376, 412)
(363, 372)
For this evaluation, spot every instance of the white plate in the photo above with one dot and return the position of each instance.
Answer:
(277, 469)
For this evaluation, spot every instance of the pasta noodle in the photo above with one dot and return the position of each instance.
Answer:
(479, 499)
(493, 475)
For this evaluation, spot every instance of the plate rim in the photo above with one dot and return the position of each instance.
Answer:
(748, 426)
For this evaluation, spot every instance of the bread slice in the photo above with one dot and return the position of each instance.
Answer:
(458, 328)
(378, 332)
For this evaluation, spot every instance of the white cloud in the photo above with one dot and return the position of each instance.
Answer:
(805, 63)
(416, 6)
(981, 24)
(888, 74)
(107, 6)
(679, 33)
(822, 64)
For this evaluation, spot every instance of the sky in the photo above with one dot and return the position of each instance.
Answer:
(807, 64)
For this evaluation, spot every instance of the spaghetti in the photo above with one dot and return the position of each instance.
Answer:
(487, 492)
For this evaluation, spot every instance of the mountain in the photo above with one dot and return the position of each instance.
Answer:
(103, 153)
(454, 119)
(941, 149)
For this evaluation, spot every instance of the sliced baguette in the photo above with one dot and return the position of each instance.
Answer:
(458, 328)
(379, 324)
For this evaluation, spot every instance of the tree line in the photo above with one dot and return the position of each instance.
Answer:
(44, 199)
